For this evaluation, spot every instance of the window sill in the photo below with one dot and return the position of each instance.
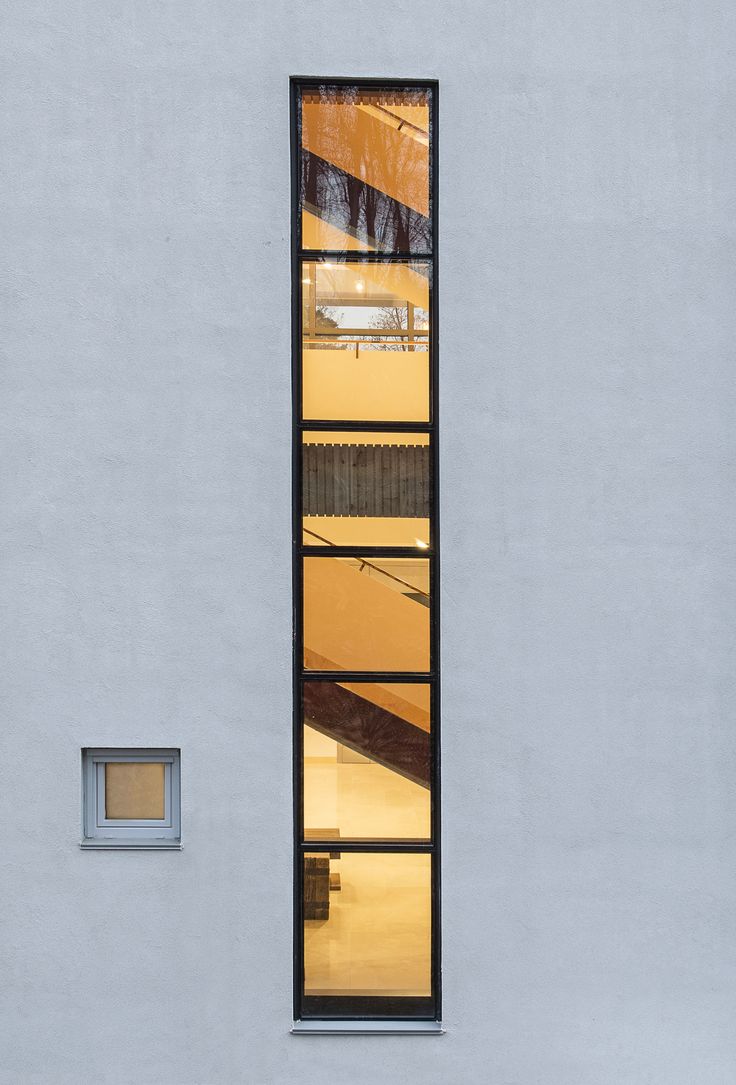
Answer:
(367, 1028)
(130, 845)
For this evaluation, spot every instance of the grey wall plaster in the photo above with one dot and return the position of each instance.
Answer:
(587, 501)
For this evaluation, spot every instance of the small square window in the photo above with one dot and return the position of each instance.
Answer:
(131, 798)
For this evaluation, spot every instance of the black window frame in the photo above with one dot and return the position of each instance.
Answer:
(364, 1008)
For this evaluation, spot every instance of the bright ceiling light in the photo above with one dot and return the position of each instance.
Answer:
(360, 286)
(421, 544)
(307, 282)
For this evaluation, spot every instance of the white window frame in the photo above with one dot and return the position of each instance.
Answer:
(102, 832)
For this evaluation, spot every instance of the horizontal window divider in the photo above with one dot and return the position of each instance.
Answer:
(394, 846)
(404, 1009)
(367, 676)
(367, 427)
(366, 551)
(367, 80)
(354, 256)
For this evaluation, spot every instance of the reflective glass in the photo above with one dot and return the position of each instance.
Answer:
(366, 489)
(365, 371)
(367, 760)
(134, 790)
(366, 615)
(364, 179)
(365, 340)
(367, 932)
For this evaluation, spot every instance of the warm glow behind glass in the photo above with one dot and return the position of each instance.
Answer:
(366, 489)
(366, 615)
(364, 169)
(367, 760)
(365, 341)
(373, 936)
(365, 547)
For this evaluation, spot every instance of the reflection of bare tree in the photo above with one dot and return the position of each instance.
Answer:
(361, 211)
(390, 318)
(325, 320)
(356, 201)
(394, 318)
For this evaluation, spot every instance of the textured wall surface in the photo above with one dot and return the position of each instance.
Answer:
(588, 409)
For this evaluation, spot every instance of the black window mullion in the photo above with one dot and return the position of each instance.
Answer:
(367, 552)
(369, 427)
(375, 845)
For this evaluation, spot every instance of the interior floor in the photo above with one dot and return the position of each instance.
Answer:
(377, 938)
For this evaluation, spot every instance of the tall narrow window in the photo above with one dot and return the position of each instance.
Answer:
(365, 550)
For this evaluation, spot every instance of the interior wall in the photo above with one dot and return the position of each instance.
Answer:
(586, 273)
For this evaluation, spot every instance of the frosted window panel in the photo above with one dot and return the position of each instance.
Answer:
(134, 791)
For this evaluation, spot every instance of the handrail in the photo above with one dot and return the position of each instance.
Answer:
(410, 346)
(374, 333)
(370, 565)
(361, 342)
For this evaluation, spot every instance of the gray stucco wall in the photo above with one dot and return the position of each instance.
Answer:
(588, 413)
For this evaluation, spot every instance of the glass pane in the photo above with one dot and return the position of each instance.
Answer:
(364, 180)
(134, 790)
(366, 615)
(367, 758)
(365, 341)
(366, 489)
(368, 931)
